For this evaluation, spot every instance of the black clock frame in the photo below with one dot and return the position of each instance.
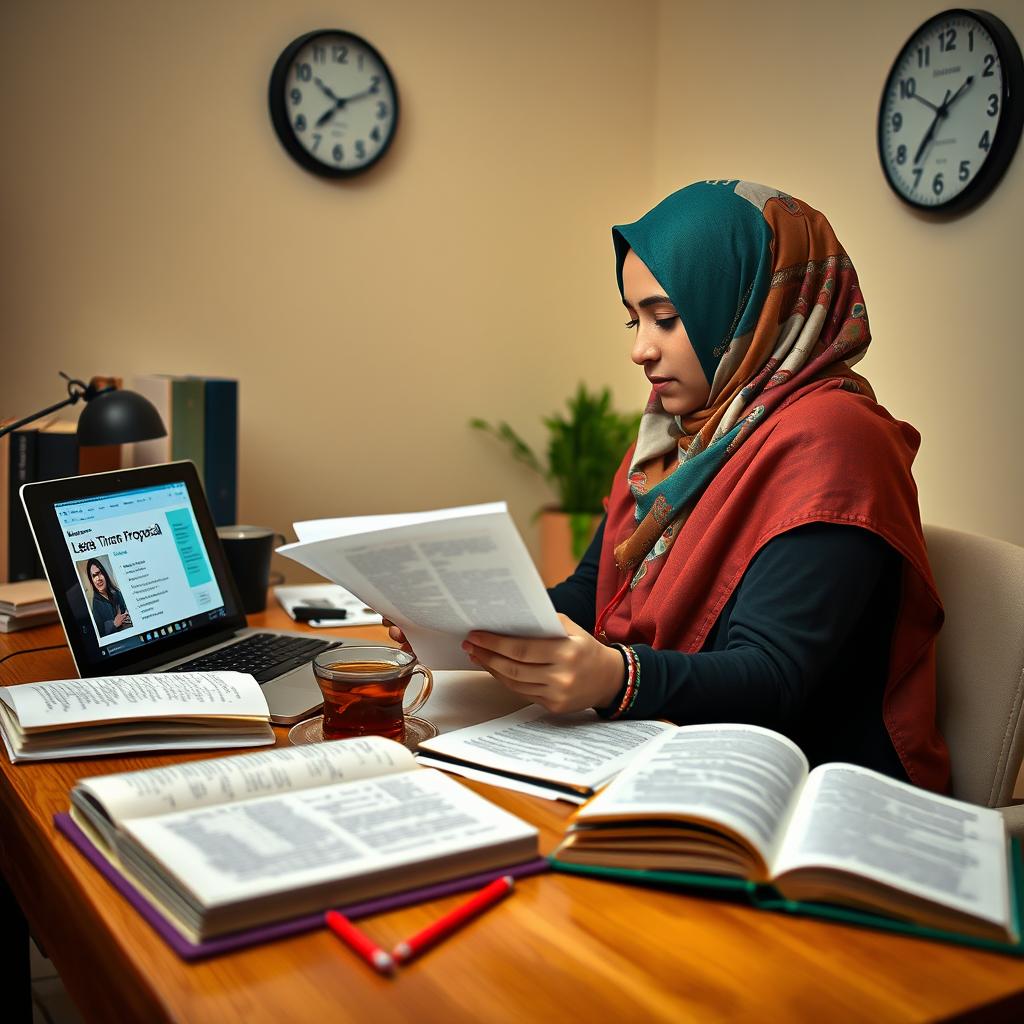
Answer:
(279, 106)
(1008, 133)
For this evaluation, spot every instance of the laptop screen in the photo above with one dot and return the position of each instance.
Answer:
(141, 563)
(135, 564)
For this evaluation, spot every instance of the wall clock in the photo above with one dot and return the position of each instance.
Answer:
(952, 110)
(333, 102)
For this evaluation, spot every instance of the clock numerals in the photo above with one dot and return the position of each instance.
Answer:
(333, 102)
(950, 103)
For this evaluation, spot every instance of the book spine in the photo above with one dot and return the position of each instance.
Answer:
(187, 417)
(157, 389)
(56, 455)
(23, 561)
(5, 508)
(220, 450)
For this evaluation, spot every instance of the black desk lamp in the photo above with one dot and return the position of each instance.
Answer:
(111, 416)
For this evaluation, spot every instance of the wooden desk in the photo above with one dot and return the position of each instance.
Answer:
(560, 948)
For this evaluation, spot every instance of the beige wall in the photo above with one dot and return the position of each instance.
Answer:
(152, 223)
(787, 94)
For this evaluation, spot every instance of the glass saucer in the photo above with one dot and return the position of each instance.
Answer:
(312, 731)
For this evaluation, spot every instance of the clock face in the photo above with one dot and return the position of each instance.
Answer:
(333, 102)
(950, 114)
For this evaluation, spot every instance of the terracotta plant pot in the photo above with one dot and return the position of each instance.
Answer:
(557, 559)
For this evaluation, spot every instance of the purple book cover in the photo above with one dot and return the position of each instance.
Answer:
(188, 950)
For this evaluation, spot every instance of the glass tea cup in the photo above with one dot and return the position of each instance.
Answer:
(364, 689)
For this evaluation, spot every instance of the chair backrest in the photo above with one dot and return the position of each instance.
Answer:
(980, 657)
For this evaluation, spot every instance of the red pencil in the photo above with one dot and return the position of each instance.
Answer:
(445, 925)
(358, 942)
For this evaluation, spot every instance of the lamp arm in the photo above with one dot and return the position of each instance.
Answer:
(77, 390)
(37, 415)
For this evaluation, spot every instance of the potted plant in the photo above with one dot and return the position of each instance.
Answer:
(584, 450)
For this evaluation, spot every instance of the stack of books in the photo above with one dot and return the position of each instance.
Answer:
(24, 604)
(201, 416)
(44, 450)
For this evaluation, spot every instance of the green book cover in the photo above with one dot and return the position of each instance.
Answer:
(188, 428)
(764, 897)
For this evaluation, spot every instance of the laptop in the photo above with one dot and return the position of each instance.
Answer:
(142, 584)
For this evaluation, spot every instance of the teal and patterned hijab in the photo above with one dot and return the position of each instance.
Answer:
(770, 302)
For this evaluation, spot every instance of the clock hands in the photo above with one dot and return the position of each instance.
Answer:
(941, 112)
(327, 92)
(952, 99)
(339, 101)
(917, 96)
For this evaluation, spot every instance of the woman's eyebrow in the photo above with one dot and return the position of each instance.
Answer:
(653, 300)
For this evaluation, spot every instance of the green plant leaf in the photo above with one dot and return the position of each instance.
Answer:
(584, 449)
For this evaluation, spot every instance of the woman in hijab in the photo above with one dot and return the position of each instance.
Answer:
(761, 559)
(109, 610)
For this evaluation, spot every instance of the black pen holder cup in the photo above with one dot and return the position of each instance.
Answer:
(248, 550)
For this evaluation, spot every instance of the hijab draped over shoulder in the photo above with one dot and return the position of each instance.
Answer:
(790, 434)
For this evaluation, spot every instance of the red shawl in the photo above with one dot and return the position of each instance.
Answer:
(825, 455)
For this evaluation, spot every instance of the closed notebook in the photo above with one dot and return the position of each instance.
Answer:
(733, 809)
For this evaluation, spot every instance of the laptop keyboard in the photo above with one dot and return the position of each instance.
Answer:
(264, 655)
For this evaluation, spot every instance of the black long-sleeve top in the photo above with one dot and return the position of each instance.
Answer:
(802, 646)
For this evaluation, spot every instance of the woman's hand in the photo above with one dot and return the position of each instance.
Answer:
(565, 674)
(397, 635)
(122, 618)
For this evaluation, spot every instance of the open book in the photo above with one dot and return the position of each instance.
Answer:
(230, 844)
(559, 757)
(739, 801)
(67, 718)
(436, 574)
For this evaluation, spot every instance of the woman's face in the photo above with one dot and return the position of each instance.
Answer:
(661, 346)
(99, 581)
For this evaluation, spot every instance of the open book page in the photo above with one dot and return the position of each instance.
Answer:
(578, 750)
(439, 578)
(222, 780)
(946, 851)
(62, 703)
(362, 830)
(743, 777)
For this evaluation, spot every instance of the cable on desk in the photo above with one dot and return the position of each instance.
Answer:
(31, 650)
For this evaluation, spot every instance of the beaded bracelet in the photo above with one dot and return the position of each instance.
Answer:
(632, 679)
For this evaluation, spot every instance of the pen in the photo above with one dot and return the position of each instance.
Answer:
(445, 925)
(358, 942)
(308, 612)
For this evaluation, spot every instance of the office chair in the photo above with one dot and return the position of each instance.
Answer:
(980, 664)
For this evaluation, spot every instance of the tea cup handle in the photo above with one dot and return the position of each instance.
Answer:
(425, 688)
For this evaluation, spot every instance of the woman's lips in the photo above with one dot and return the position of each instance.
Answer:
(660, 383)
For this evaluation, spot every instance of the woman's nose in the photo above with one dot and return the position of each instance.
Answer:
(644, 349)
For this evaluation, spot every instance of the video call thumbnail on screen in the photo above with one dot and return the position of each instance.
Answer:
(140, 560)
